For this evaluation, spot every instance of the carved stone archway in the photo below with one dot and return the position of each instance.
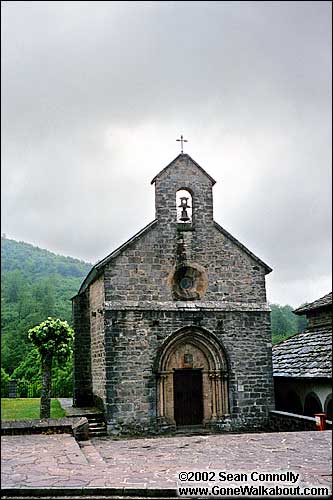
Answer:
(197, 349)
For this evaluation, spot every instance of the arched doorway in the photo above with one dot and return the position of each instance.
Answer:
(312, 405)
(292, 403)
(289, 402)
(192, 379)
(329, 407)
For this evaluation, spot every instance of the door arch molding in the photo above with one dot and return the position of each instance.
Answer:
(193, 348)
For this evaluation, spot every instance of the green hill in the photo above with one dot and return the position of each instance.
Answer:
(36, 263)
(35, 284)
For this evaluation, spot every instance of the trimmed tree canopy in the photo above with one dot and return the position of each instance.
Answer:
(52, 337)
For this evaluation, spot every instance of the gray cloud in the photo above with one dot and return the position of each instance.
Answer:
(95, 94)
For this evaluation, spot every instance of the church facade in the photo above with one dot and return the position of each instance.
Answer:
(173, 328)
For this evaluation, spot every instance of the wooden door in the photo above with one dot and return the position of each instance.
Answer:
(188, 404)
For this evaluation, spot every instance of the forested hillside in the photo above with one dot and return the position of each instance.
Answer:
(285, 323)
(35, 284)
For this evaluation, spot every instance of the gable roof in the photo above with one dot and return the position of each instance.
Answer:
(324, 301)
(243, 247)
(305, 355)
(96, 269)
(184, 155)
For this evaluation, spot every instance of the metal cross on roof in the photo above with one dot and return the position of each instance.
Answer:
(181, 140)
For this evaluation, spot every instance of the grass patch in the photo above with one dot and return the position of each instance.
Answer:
(27, 409)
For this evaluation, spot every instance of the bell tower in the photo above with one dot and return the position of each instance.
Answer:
(183, 194)
(184, 210)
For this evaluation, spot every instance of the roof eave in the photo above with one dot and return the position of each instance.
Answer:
(96, 270)
(321, 303)
(213, 181)
(243, 247)
(91, 276)
(301, 311)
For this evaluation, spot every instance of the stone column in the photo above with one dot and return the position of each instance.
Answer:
(212, 377)
(219, 399)
(224, 391)
(161, 405)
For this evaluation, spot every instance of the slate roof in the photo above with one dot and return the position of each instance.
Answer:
(317, 304)
(305, 355)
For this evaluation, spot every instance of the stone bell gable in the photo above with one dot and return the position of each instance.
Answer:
(180, 304)
(184, 173)
(143, 268)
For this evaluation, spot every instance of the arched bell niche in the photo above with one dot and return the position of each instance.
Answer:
(184, 204)
(192, 379)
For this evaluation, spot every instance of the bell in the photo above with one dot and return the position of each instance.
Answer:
(183, 205)
(184, 217)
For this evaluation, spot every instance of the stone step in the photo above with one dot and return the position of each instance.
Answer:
(98, 418)
(101, 433)
(91, 454)
(194, 430)
(97, 425)
(95, 432)
(94, 416)
(97, 429)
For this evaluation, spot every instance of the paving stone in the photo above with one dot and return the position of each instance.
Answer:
(134, 465)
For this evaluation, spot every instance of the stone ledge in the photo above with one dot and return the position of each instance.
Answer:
(280, 413)
(76, 426)
(193, 305)
(282, 420)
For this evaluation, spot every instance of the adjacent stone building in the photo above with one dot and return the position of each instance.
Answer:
(173, 328)
(303, 363)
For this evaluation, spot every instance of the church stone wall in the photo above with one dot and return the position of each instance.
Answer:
(130, 381)
(134, 338)
(82, 359)
(96, 299)
(142, 271)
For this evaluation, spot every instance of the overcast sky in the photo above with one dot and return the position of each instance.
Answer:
(95, 94)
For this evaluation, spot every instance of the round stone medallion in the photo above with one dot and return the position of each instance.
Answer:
(189, 282)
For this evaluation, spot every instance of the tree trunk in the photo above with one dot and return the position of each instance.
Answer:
(45, 400)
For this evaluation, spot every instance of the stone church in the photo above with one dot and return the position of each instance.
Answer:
(173, 327)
